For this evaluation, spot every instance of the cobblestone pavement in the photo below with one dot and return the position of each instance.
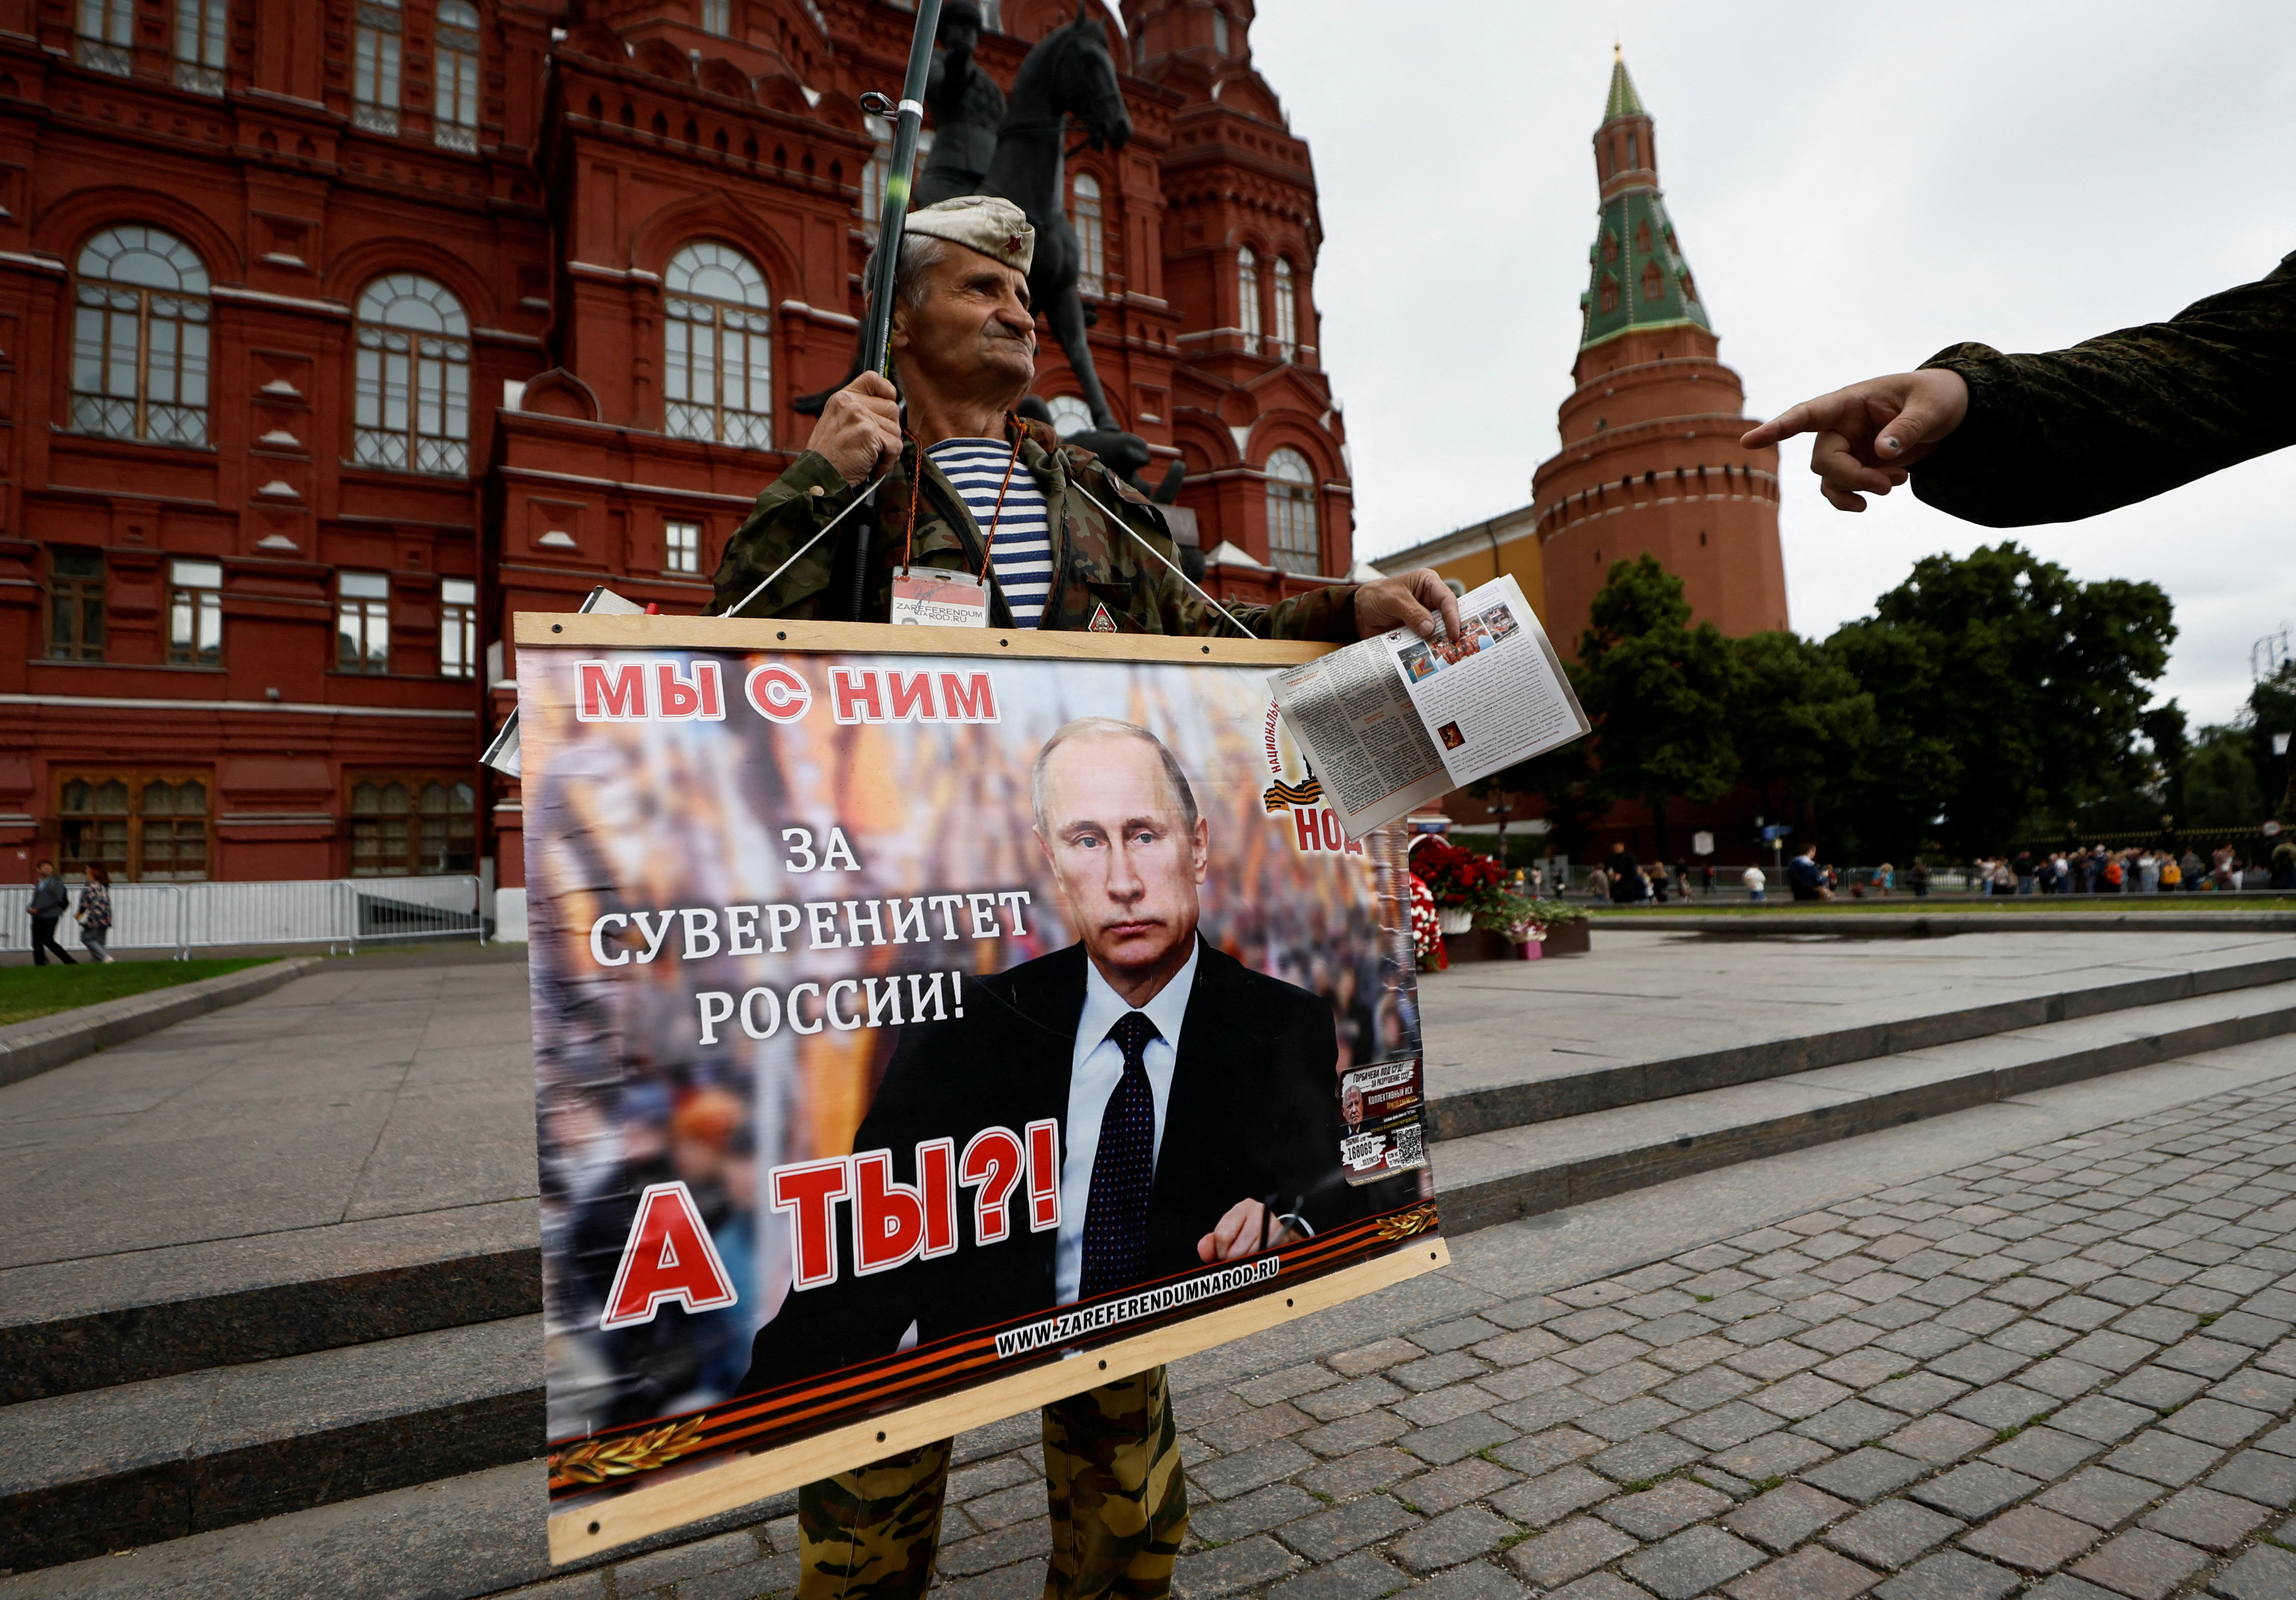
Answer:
(2066, 1371)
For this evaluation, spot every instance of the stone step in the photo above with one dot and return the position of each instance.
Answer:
(68, 1326)
(136, 1464)
(1507, 1173)
(1598, 1086)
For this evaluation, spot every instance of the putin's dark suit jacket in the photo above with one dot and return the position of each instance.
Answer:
(1253, 1111)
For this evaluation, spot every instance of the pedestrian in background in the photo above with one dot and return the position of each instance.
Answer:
(1706, 879)
(49, 901)
(95, 911)
(1917, 879)
(1755, 883)
(1805, 878)
(1598, 885)
(2172, 875)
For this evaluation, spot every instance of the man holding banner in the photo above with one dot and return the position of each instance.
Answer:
(1057, 539)
(1053, 539)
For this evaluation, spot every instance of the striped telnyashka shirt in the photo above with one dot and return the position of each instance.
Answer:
(1022, 547)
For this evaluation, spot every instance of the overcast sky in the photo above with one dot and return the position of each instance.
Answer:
(1856, 187)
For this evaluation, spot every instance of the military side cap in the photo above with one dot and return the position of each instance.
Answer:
(993, 225)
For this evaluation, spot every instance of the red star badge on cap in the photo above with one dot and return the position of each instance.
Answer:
(1012, 245)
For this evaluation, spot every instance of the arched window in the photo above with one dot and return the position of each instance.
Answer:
(140, 317)
(1653, 283)
(1219, 30)
(717, 18)
(1071, 415)
(1247, 297)
(454, 106)
(717, 356)
(413, 401)
(1642, 237)
(1287, 311)
(1092, 250)
(1293, 540)
(1634, 151)
(203, 29)
(374, 67)
(1610, 294)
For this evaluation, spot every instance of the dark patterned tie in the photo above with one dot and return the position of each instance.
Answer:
(1124, 1167)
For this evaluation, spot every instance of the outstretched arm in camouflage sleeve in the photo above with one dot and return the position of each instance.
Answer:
(2012, 440)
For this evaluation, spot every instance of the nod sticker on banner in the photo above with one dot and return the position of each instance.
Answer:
(1383, 1107)
(928, 597)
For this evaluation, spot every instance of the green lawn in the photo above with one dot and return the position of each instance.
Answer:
(38, 991)
(1905, 905)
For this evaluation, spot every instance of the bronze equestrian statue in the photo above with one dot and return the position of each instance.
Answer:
(1070, 72)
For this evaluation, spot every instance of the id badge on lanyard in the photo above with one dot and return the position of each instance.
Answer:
(939, 597)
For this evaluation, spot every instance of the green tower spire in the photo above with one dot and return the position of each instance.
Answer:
(1623, 102)
(1637, 276)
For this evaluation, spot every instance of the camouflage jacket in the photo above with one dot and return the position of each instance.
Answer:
(2121, 417)
(1094, 564)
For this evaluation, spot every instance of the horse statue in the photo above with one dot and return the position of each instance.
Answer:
(1070, 72)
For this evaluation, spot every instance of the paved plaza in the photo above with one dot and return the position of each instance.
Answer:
(2041, 1345)
(1645, 994)
(2069, 1364)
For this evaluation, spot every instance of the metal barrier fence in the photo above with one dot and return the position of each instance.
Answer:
(346, 912)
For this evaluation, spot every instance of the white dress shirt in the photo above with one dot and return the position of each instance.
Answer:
(1097, 1069)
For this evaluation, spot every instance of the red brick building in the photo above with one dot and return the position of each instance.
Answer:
(334, 332)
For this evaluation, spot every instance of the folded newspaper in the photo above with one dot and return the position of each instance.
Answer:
(1396, 721)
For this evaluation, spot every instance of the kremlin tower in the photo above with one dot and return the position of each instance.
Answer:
(1650, 459)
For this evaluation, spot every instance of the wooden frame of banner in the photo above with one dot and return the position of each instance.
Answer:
(600, 631)
(676, 1502)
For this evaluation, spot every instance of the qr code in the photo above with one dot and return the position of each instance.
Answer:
(1407, 1151)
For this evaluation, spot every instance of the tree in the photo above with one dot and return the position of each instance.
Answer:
(2220, 783)
(2271, 709)
(1802, 723)
(1657, 690)
(2006, 692)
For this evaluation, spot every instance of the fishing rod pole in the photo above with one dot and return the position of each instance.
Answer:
(892, 222)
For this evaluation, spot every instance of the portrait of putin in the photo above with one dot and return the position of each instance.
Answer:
(1197, 1100)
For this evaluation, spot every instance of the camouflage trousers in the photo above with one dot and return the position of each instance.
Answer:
(1120, 1506)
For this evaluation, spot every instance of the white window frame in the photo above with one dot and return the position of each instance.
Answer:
(717, 347)
(195, 614)
(1295, 534)
(1089, 219)
(140, 348)
(1287, 310)
(681, 547)
(1247, 297)
(202, 36)
(458, 628)
(376, 83)
(107, 37)
(411, 396)
(455, 94)
(362, 622)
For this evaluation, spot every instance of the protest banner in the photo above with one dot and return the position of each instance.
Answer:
(830, 925)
